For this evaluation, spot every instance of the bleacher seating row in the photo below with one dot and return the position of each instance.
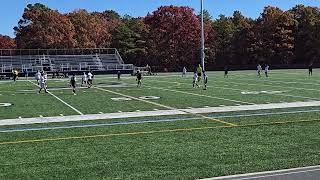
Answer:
(63, 62)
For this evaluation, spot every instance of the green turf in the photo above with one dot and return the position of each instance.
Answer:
(190, 149)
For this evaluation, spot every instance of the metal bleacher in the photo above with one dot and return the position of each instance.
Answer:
(66, 60)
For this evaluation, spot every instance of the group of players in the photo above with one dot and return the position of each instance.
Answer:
(87, 79)
(197, 77)
(266, 70)
(42, 78)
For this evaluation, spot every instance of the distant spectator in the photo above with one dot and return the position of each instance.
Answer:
(26, 73)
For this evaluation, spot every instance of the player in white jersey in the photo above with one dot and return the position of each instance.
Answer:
(84, 80)
(43, 83)
(184, 72)
(266, 71)
(38, 75)
(259, 69)
(195, 80)
(90, 78)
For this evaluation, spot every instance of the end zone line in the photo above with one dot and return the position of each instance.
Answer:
(167, 107)
(73, 108)
(153, 132)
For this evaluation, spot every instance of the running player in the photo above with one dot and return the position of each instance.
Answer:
(38, 76)
(139, 79)
(43, 83)
(73, 84)
(195, 80)
(266, 70)
(226, 71)
(310, 69)
(205, 76)
(90, 79)
(259, 69)
(184, 72)
(199, 71)
(84, 80)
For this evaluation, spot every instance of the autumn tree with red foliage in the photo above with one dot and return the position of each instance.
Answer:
(6, 42)
(92, 29)
(174, 37)
(41, 27)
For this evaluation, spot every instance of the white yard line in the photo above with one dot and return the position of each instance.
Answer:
(122, 115)
(73, 108)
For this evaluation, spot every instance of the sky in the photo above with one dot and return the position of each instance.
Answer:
(12, 10)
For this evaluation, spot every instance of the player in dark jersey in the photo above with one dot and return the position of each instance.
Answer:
(139, 79)
(119, 75)
(310, 69)
(73, 84)
(205, 76)
(226, 71)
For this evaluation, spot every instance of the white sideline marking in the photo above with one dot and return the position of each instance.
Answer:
(157, 113)
(149, 121)
(76, 110)
(269, 173)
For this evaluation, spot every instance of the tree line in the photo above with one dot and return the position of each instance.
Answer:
(169, 37)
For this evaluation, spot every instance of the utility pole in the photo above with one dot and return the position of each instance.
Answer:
(202, 38)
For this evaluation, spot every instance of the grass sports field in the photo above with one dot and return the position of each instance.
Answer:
(164, 130)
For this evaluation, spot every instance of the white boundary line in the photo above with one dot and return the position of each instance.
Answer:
(73, 108)
(268, 173)
(167, 112)
(146, 121)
